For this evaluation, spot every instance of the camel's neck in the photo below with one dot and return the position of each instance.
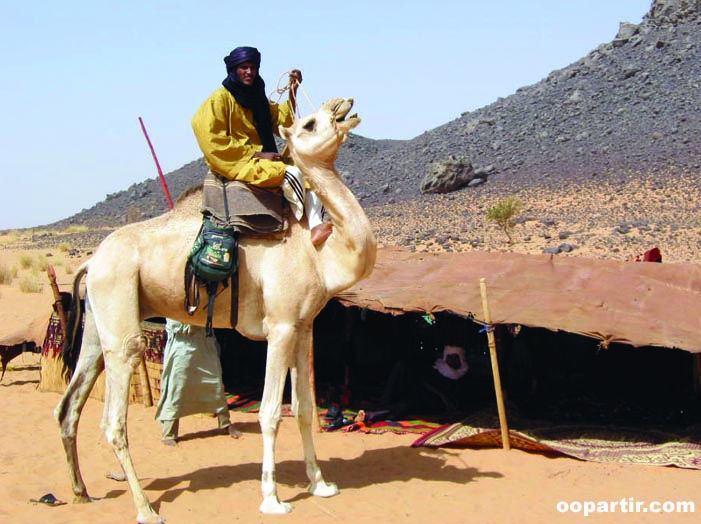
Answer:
(349, 254)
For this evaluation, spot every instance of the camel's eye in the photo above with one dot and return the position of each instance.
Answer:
(309, 126)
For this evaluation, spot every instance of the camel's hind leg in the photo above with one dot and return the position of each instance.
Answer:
(67, 413)
(303, 407)
(120, 362)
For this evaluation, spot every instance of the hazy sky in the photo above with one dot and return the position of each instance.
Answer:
(76, 75)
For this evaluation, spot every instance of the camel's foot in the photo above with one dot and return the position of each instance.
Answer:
(324, 489)
(83, 498)
(171, 442)
(272, 506)
(150, 517)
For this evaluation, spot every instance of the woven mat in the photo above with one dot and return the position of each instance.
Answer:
(249, 402)
(606, 444)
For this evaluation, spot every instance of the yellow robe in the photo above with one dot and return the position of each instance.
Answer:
(228, 139)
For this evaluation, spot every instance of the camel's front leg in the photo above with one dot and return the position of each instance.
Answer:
(119, 366)
(280, 348)
(303, 407)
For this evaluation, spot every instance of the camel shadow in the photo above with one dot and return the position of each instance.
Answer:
(243, 427)
(399, 464)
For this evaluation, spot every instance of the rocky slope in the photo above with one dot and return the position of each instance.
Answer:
(620, 124)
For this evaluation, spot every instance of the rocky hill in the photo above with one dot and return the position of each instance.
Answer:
(630, 110)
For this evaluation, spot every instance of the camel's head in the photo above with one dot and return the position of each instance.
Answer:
(317, 137)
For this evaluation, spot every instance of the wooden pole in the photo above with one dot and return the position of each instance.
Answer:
(495, 368)
(58, 304)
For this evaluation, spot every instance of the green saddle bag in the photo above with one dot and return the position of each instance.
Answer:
(212, 261)
(214, 255)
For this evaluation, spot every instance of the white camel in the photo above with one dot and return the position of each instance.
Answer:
(137, 273)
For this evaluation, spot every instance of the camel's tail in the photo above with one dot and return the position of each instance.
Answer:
(73, 337)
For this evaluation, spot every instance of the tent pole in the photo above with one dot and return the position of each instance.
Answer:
(506, 442)
(58, 302)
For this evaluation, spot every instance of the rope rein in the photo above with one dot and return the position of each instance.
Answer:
(280, 90)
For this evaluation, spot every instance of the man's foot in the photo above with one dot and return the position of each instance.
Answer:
(233, 432)
(321, 232)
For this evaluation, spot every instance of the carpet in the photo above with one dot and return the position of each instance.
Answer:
(606, 444)
(249, 402)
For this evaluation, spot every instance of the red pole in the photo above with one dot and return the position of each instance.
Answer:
(158, 166)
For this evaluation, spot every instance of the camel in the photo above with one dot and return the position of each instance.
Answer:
(137, 273)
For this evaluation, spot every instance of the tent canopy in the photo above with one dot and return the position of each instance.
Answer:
(642, 304)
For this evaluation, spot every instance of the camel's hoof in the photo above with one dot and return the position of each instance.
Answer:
(82, 499)
(153, 518)
(324, 489)
(272, 506)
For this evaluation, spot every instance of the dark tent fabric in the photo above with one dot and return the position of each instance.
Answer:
(637, 303)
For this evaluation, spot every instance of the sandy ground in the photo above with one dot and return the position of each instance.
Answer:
(214, 479)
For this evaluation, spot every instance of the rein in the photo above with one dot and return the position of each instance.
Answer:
(280, 90)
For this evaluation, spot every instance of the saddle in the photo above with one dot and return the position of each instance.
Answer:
(230, 209)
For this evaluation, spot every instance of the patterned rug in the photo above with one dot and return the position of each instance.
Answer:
(249, 402)
(607, 444)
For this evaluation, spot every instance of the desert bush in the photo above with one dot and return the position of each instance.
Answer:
(41, 262)
(31, 284)
(9, 237)
(76, 229)
(26, 261)
(64, 247)
(504, 213)
(7, 273)
(133, 214)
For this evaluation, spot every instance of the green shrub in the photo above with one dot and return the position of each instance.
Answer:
(504, 213)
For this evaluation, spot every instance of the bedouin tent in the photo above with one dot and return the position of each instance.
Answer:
(636, 303)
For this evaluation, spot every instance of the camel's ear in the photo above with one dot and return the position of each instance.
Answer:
(284, 132)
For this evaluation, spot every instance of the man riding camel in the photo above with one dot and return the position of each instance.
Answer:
(234, 128)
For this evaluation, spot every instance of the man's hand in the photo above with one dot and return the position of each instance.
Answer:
(268, 156)
(295, 77)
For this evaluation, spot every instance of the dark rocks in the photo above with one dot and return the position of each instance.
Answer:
(448, 175)
(562, 248)
(629, 106)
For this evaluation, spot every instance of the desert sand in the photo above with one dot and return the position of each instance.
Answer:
(211, 478)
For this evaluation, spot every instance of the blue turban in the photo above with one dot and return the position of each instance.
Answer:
(251, 97)
(241, 55)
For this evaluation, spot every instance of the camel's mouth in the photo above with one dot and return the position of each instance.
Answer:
(344, 122)
(341, 109)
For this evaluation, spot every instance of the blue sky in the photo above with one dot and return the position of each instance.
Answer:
(76, 75)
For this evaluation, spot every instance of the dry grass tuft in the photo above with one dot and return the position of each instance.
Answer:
(7, 274)
(31, 284)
